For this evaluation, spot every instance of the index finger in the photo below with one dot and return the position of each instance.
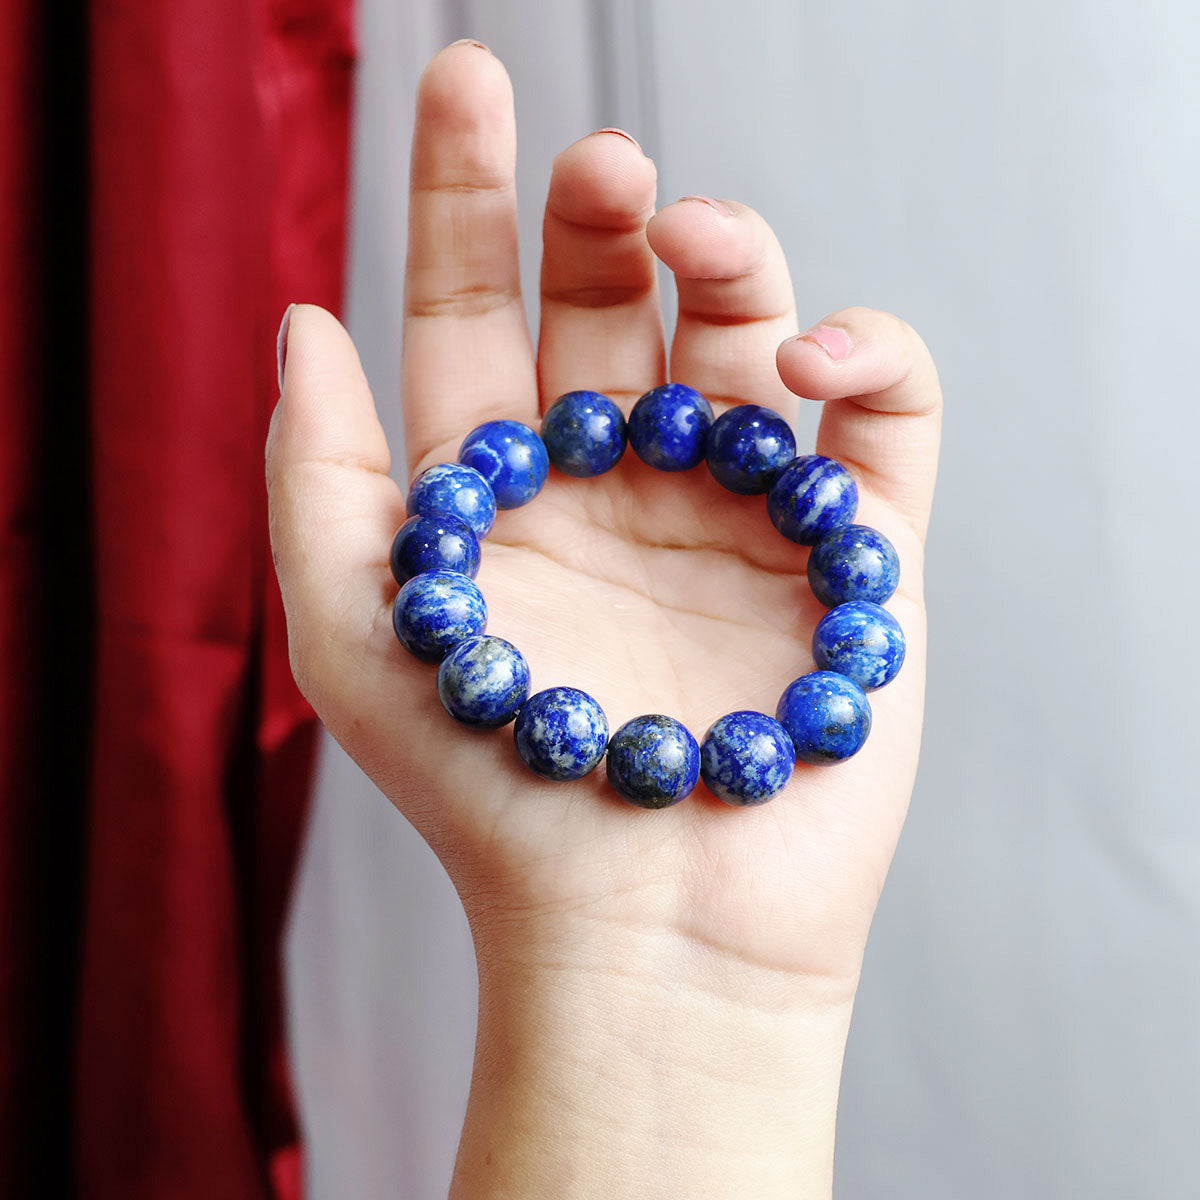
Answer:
(467, 353)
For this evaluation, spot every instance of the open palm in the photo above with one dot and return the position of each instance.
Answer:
(652, 592)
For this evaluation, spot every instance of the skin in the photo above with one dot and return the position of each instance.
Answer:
(664, 995)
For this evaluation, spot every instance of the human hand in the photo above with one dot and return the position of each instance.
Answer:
(652, 592)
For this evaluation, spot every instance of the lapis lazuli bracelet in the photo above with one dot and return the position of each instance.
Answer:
(562, 733)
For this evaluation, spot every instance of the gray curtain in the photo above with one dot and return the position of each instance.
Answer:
(1019, 181)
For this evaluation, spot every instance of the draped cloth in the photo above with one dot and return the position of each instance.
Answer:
(156, 755)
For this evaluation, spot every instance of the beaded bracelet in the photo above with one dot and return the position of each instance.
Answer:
(561, 733)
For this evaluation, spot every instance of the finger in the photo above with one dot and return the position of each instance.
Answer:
(883, 403)
(467, 354)
(333, 507)
(735, 300)
(601, 326)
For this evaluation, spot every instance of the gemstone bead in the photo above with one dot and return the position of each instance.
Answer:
(811, 497)
(746, 758)
(584, 433)
(669, 425)
(747, 448)
(653, 761)
(561, 733)
(854, 562)
(453, 488)
(483, 681)
(510, 456)
(423, 543)
(826, 715)
(861, 641)
(436, 610)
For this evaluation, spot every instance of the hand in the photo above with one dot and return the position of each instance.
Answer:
(651, 592)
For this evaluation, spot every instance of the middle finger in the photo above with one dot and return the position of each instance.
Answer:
(601, 325)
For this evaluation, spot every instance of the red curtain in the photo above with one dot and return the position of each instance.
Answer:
(215, 137)
(39, 826)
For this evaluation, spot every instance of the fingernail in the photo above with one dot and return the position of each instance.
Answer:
(714, 204)
(470, 42)
(835, 342)
(620, 133)
(281, 343)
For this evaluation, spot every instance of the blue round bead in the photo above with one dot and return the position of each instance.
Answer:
(747, 448)
(423, 543)
(584, 433)
(811, 497)
(854, 562)
(653, 761)
(510, 456)
(826, 715)
(483, 681)
(861, 641)
(668, 427)
(436, 610)
(746, 758)
(453, 488)
(561, 733)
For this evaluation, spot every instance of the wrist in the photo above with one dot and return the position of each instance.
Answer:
(640, 1063)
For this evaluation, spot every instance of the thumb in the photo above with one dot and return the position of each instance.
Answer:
(333, 508)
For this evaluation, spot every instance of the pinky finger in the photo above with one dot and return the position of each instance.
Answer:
(883, 403)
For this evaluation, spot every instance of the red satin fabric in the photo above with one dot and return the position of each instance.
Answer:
(219, 144)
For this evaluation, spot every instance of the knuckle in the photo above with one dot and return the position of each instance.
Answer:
(474, 183)
(903, 331)
(599, 295)
(474, 300)
(890, 329)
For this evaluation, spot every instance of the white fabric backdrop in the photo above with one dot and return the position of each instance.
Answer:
(1019, 181)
